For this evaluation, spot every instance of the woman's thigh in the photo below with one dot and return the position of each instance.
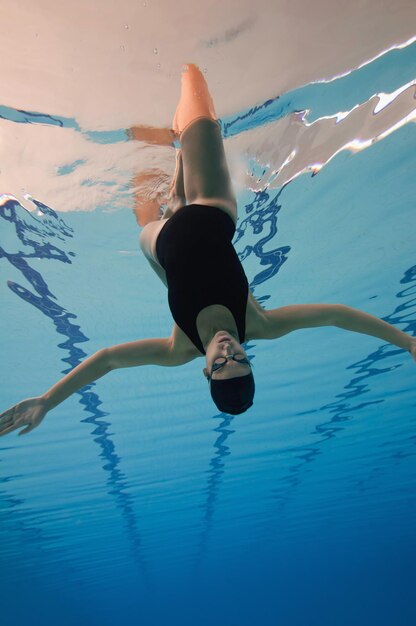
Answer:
(206, 177)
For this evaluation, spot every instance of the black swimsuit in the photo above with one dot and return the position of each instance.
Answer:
(202, 267)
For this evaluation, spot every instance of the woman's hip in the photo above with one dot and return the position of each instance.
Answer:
(148, 238)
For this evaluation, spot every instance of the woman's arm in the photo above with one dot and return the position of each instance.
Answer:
(132, 354)
(286, 319)
(279, 322)
(31, 412)
(360, 322)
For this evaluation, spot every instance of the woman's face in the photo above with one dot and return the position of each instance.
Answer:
(224, 344)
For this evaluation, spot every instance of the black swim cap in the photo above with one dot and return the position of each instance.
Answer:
(233, 395)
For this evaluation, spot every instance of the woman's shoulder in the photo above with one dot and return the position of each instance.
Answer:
(182, 345)
(255, 318)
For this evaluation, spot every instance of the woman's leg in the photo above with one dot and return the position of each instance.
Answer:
(206, 176)
(176, 198)
(147, 201)
(150, 232)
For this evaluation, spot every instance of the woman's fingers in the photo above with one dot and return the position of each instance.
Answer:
(28, 413)
(27, 429)
(6, 421)
(9, 428)
(412, 349)
(6, 415)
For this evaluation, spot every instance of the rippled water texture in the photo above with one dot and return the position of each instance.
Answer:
(134, 502)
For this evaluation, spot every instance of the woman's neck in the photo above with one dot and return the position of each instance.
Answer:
(212, 319)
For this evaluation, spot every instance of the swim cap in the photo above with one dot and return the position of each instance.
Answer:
(233, 395)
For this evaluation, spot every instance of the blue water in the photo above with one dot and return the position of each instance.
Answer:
(135, 502)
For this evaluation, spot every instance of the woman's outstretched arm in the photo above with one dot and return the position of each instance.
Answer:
(360, 322)
(286, 319)
(32, 411)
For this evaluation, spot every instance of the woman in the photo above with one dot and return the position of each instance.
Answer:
(190, 249)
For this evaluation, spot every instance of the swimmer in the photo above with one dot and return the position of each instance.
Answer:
(190, 249)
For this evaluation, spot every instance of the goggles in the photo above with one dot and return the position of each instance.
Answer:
(239, 357)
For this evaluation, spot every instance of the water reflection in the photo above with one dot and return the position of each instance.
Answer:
(34, 234)
(323, 99)
(24, 537)
(262, 217)
(215, 474)
(346, 407)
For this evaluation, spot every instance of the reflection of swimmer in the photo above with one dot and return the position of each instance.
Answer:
(191, 251)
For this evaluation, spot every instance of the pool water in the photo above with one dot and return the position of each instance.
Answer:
(135, 502)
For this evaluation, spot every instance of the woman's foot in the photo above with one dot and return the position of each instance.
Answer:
(195, 100)
(153, 136)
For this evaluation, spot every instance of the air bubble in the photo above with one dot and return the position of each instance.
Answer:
(155, 51)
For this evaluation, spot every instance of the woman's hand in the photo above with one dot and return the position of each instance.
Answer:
(27, 413)
(412, 348)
